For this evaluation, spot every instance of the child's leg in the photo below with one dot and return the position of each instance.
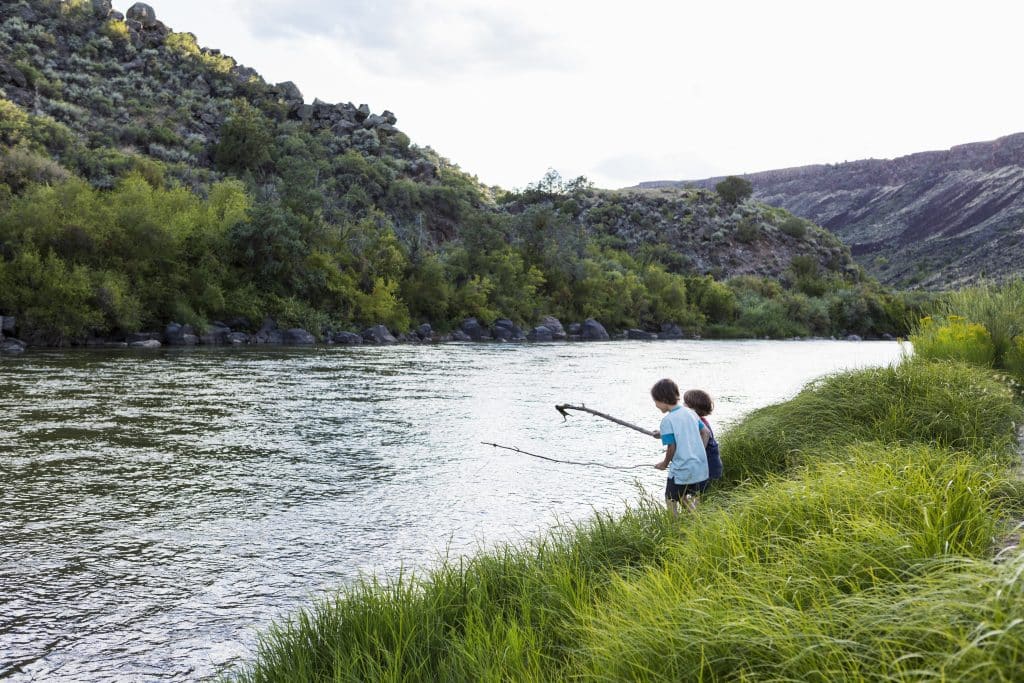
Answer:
(673, 506)
(690, 501)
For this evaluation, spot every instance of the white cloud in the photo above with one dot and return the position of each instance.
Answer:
(408, 37)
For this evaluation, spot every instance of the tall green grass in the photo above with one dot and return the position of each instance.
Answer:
(854, 541)
(997, 307)
(947, 403)
(790, 580)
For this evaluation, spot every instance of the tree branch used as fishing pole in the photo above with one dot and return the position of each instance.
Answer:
(564, 462)
(565, 406)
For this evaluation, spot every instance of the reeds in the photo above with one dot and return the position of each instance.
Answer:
(853, 541)
(999, 308)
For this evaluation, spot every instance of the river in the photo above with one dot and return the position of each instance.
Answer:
(161, 508)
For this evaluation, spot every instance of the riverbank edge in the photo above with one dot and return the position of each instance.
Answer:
(548, 329)
(321, 625)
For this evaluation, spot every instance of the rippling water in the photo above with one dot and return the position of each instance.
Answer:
(160, 508)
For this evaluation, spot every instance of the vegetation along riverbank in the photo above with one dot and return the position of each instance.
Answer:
(865, 530)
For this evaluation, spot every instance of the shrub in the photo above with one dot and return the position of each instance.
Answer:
(1014, 359)
(794, 227)
(13, 122)
(999, 308)
(734, 189)
(246, 138)
(747, 229)
(955, 339)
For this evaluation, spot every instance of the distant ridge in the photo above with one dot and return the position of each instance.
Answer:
(936, 219)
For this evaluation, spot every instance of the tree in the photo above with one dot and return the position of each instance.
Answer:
(246, 139)
(734, 190)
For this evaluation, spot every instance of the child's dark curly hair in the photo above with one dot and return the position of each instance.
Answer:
(665, 391)
(699, 402)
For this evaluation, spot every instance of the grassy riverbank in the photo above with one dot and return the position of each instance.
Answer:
(855, 538)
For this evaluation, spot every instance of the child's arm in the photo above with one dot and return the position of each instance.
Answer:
(705, 434)
(670, 451)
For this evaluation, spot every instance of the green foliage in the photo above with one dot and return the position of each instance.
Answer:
(13, 122)
(954, 338)
(1014, 359)
(734, 190)
(117, 31)
(246, 138)
(716, 300)
(747, 230)
(383, 305)
(54, 301)
(84, 260)
(997, 307)
(794, 227)
(428, 291)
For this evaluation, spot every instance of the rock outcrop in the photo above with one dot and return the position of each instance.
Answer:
(936, 219)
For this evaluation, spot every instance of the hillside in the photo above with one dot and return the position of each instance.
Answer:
(936, 219)
(147, 182)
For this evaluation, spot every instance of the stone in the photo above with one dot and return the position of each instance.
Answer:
(541, 333)
(12, 346)
(375, 121)
(641, 335)
(142, 336)
(853, 337)
(142, 13)
(378, 334)
(296, 336)
(425, 331)
(460, 336)
(591, 330)
(237, 338)
(344, 127)
(269, 337)
(176, 334)
(574, 329)
(214, 335)
(473, 328)
(670, 331)
(503, 329)
(268, 333)
(145, 344)
(346, 338)
(101, 8)
(7, 325)
(362, 113)
(389, 118)
(553, 324)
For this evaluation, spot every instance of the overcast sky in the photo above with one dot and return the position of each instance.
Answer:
(636, 90)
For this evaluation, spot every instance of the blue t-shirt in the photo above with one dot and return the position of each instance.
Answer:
(682, 427)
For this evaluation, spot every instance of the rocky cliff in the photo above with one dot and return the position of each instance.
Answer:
(935, 219)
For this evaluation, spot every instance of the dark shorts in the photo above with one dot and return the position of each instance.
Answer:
(674, 491)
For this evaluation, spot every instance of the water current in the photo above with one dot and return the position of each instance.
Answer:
(159, 509)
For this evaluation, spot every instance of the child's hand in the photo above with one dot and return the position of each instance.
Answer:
(661, 466)
(657, 433)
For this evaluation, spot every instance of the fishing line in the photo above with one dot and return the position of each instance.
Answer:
(564, 462)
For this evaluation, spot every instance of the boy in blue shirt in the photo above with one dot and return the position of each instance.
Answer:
(684, 437)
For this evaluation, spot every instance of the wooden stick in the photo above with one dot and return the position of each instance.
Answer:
(565, 406)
